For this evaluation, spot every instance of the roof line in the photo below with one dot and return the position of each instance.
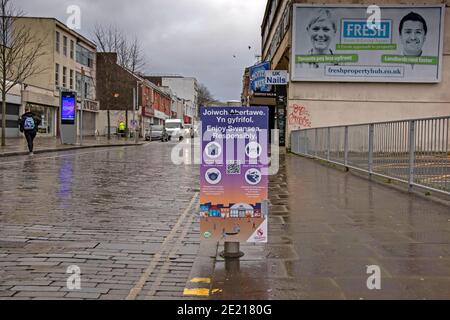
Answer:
(90, 42)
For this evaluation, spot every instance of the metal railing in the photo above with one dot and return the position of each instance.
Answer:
(412, 151)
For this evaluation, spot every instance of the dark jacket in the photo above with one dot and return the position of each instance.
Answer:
(37, 120)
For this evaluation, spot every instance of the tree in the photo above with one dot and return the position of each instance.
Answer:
(129, 52)
(136, 62)
(20, 50)
(204, 95)
(129, 56)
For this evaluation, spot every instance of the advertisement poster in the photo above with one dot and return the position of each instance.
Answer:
(234, 174)
(339, 43)
(258, 78)
(68, 108)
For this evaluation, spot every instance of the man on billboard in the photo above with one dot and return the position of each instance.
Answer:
(413, 31)
(29, 123)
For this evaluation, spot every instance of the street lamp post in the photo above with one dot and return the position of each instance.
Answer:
(82, 105)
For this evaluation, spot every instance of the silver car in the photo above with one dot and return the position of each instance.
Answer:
(156, 132)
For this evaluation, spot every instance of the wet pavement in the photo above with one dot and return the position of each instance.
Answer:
(18, 146)
(326, 227)
(128, 218)
(125, 216)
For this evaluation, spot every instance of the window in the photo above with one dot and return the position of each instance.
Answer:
(64, 77)
(71, 79)
(87, 89)
(57, 41)
(65, 45)
(57, 75)
(72, 49)
(85, 57)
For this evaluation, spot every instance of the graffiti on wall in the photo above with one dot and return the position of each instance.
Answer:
(299, 116)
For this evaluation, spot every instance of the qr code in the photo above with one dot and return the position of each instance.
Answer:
(233, 167)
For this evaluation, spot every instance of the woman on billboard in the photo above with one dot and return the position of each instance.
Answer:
(321, 30)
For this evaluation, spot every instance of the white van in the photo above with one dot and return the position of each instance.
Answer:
(175, 129)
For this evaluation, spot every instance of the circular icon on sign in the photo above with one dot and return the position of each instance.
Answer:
(253, 150)
(207, 234)
(213, 176)
(253, 176)
(213, 150)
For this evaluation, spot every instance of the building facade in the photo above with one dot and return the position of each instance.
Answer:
(312, 104)
(185, 88)
(68, 63)
(116, 90)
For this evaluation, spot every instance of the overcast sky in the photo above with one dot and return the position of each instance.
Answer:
(189, 37)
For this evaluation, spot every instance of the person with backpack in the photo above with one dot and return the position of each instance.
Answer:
(29, 123)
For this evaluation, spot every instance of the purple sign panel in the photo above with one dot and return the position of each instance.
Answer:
(68, 107)
(234, 174)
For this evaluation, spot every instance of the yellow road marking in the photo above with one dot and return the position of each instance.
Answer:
(196, 292)
(201, 280)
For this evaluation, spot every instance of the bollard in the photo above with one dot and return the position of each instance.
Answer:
(232, 250)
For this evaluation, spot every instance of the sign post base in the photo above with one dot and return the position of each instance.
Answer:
(232, 251)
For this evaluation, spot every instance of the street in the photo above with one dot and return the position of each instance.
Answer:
(124, 216)
(128, 219)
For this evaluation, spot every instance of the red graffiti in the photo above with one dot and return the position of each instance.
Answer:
(300, 116)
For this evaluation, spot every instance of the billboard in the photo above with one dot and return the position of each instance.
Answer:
(68, 107)
(234, 174)
(340, 43)
(258, 78)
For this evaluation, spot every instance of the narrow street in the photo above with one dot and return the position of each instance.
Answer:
(125, 216)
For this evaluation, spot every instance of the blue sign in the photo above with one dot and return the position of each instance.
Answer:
(360, 30)
(258, 78)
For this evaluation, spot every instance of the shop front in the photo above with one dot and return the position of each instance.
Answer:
(48, 115)
(160, 117)
(147, 119)
(12, 116)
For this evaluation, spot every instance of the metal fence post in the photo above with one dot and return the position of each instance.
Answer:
(346, 146)
(371, 131)
(412, 151)
(328, 143)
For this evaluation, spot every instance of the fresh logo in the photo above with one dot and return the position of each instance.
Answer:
(360, 29)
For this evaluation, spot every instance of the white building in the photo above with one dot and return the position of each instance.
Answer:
(185, 88)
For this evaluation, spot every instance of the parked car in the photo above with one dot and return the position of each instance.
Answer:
(175, 129)
(156, 132)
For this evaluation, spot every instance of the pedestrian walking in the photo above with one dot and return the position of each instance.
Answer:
(29, 123)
